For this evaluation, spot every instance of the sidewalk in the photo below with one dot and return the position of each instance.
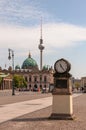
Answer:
(10, 111)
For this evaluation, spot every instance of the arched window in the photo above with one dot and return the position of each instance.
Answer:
(30, 79)
(35, 78)
(25, 78)
(40, 77)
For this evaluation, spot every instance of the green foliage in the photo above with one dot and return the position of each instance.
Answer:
(77, 85)
(0, 80)
(19, 81)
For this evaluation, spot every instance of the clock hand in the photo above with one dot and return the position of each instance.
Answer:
(61, 66)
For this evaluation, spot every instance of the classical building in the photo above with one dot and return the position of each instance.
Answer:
(6, 81)
(35, 78)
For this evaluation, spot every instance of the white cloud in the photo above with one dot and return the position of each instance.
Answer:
(54, 35)
(63, 35)
(20, 11)
(18, 37)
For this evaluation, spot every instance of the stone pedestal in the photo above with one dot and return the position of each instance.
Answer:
(62, 107)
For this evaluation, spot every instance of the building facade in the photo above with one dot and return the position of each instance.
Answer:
(6, 81)
(83, 82)
(35, 78)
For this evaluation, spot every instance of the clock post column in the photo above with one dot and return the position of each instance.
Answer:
(62, 107)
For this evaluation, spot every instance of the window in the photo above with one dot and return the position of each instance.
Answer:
(35, 79)
(30, 79)
(40, 77)
(25, 78)
(45, 78)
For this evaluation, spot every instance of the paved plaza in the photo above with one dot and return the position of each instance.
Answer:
(33, 114)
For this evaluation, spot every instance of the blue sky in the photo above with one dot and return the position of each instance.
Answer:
(64, 31)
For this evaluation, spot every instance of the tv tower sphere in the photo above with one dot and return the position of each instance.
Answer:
(41, 47)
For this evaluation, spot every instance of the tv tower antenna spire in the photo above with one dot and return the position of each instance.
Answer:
(41, 47)
(41, 28)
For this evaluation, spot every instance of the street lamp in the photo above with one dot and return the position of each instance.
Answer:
(11, 55)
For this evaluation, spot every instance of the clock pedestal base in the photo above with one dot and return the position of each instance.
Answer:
(62, 107)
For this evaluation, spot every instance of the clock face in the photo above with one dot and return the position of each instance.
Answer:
(61, 66)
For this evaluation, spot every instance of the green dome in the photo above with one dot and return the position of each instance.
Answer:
(29, 63)
(17, 67)
(45, 67)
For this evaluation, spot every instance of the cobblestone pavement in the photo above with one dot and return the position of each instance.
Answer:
(39, 120)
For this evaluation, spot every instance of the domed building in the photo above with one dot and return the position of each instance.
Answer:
(29, 63)
(35, 78)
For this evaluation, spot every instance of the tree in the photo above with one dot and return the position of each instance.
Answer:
(19, 81)
(0, 81)
(77, 85)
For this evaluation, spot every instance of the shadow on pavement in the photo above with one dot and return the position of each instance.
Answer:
(32, 119)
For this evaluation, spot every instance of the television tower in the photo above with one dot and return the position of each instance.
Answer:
(41, 47)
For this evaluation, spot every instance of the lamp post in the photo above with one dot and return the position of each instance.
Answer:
(11, 55)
